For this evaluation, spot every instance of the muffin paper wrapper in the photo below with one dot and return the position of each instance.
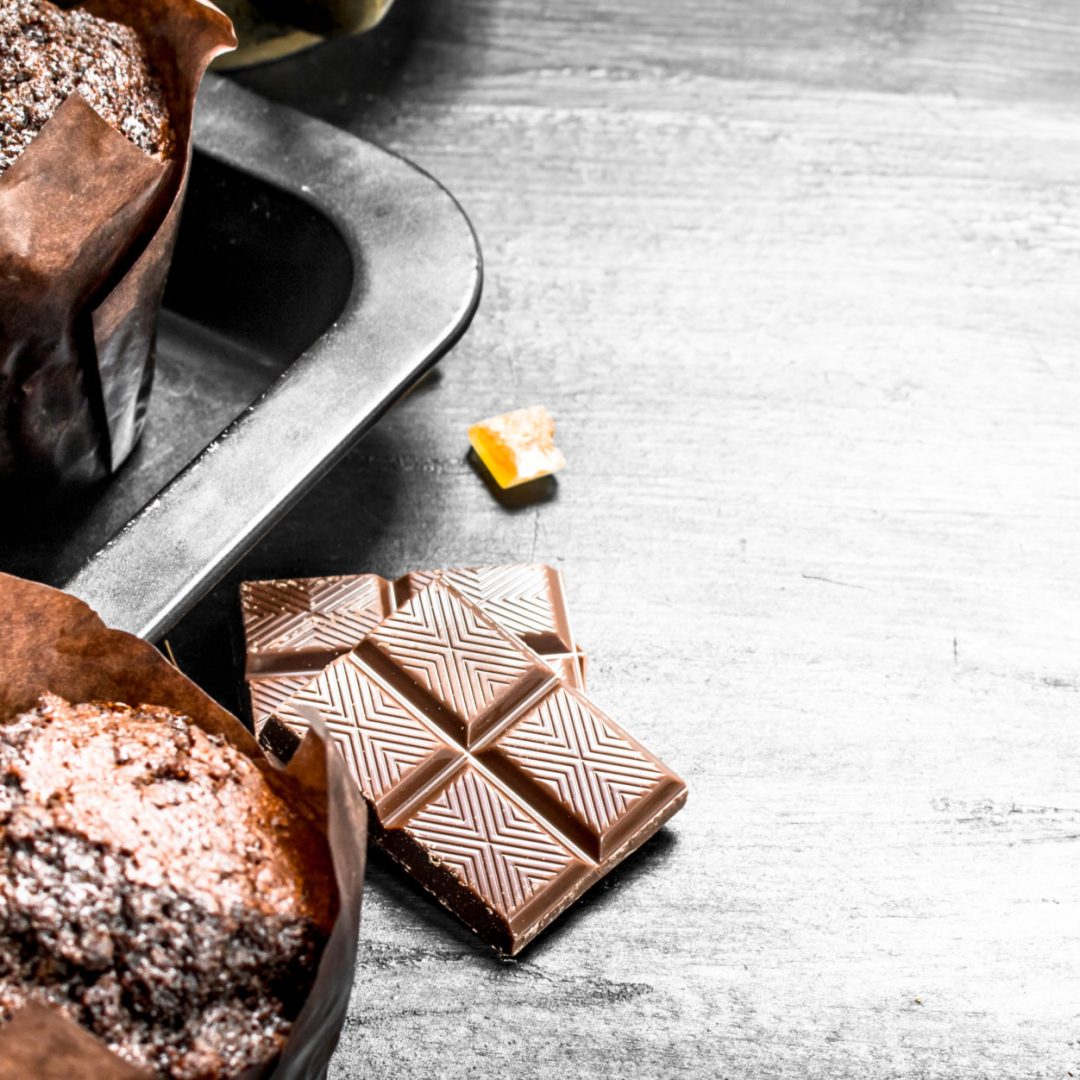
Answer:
(52, 642)
(88, 223)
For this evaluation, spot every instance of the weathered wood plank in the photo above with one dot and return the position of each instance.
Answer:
(813, 346)
(1005, 49)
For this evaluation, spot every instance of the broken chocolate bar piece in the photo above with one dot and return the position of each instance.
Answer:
(293, 628)
(505, 792)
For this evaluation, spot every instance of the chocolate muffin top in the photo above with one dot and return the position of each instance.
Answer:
(150, 888)
(47, 53)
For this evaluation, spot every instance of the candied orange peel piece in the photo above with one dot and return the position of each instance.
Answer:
(518, 446)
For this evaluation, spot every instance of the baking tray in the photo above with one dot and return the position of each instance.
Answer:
(317, 278)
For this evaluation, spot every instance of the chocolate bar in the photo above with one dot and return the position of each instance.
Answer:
(293, 628)
(503, 790)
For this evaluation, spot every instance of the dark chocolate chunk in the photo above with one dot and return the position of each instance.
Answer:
(505, 792)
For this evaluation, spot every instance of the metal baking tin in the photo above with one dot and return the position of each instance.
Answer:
(375, 238)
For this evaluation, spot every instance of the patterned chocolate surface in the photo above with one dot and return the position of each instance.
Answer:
(527, 600)
(590, 771)
(504, 791)
(453, 661)
(381, 739)
(295, 627)
(322, 616)
(492, 843)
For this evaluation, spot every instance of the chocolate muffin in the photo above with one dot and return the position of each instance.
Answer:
(47, 53)
(149, 888)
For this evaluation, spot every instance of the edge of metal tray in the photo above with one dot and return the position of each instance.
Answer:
(417, 286)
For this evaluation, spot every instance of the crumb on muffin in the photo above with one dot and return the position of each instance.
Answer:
(47, 53)
(150, 888)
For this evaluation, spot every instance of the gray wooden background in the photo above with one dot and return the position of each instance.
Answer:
(799, 280)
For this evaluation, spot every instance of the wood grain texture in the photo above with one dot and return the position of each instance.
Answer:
(799, 282)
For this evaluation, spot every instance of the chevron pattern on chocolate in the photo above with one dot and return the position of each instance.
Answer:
(270, 692)
(525, 600)
(455, 652)
(592, 769)
(493, 847)
(420, 579)
(517, 597)
(334, 613)
(381, 742)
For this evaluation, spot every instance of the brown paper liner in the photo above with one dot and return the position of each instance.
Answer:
(50, 641)
(87, 228)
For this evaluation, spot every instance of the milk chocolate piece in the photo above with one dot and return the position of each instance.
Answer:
(525, 600)
(293, 628)
(505, 792)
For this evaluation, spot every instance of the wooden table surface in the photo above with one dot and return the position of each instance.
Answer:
(799, 281)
